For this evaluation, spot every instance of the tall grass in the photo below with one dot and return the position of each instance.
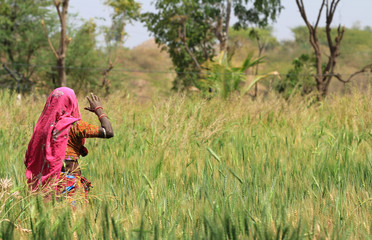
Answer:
(189, 168)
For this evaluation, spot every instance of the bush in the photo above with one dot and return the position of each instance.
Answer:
(299, 79)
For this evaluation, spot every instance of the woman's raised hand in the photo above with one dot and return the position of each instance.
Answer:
(96, 107)
(94, 102)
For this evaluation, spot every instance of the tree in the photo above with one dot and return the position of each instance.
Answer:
(21, 37)
(190, 28)
(83, 56)
(263, 38)
(124, 12)
(62, 7)
(326, 71)
(179, 28)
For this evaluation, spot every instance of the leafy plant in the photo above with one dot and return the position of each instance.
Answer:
(299, 79)
(222, 77)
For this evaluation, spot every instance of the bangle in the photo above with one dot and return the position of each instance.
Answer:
(99, 107)
(104, 132)
(102, 115)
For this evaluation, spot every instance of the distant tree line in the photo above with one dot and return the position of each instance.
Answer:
(197, 34)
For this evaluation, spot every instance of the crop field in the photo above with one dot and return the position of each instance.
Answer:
(185, 167)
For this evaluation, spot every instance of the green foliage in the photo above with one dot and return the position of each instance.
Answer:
(124, 12)
(356, 43)
(24, 47)
(83, 59)
(299, 79)
(166, 24)
(201, 20)
(355, 40)
(264, 35)
(264, 38)
(257, 12)
(21, 35)
(223, 78)
(83, 56)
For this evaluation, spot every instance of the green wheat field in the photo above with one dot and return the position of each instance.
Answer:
(185, 167)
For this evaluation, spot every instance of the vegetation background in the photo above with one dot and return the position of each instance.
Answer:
(147, 70)
(192, 165)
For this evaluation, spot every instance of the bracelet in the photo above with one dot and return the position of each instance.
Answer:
(104, 132)
(102, 115)
(99, 107)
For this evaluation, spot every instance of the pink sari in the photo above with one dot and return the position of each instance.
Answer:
(47, 148)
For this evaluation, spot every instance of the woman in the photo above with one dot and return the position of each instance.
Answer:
(58, 141)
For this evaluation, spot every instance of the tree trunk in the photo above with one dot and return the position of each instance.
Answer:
(62, 45)
(323, 87)
(222, 45)
(62, 82)
(225, 30)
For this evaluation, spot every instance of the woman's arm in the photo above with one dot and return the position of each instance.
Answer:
(105, 131)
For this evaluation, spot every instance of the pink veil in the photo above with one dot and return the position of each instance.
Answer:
(47, 148)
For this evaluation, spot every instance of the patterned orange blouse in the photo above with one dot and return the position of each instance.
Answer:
(78, 131)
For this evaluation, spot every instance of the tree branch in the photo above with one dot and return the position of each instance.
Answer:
(367, 68)
(50, 43)
(334, 4)
(329, 18)
(301, 8)
(319, 15)
(313, 35)
(182, 35)
(58, 11)
(105, 82)
(106, 71)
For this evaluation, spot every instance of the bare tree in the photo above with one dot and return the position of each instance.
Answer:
(62, 7)
(323, 75)
(325, 72)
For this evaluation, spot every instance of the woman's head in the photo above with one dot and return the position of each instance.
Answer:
(62, 102)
